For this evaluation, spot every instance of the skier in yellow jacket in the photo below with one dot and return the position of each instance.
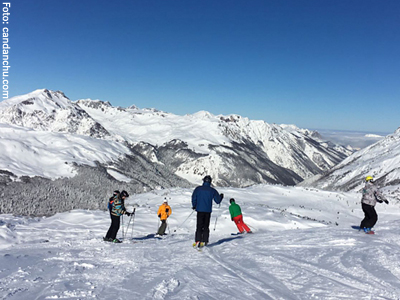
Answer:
(163, 213)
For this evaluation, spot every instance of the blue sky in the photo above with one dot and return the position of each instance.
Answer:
(317, 63)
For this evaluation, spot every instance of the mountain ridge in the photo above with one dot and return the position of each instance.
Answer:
(202, 132)
(47, 136)
(380, 160)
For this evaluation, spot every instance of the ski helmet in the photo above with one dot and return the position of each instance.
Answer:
(369, 178)
(124, 194)
(207, 179)
(231, 200)
(116, 192)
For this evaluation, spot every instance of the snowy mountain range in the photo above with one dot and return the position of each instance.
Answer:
(47, 136)
(380, 160)
(194, 145)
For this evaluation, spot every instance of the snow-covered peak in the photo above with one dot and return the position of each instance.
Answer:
(98, 104)
(133, 107)
(49, 111)
(295, 130)
(39, 100)
(290, 127)
(203, 115)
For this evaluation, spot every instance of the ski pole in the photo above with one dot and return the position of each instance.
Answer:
(252, 227)
(127, 227)
(216, 219)
(215, 225)
(133, 220)
(122, 221)
(184, 221)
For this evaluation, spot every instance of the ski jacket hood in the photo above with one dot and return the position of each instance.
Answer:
(203, 196)
(371, 194)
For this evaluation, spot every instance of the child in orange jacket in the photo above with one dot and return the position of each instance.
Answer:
(163, 213)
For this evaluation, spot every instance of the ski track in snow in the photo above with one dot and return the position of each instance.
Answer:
(63, 257)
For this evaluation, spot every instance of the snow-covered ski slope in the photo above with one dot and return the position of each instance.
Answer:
(303, 248)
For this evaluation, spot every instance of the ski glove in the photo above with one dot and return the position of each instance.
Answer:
(159, 215)
(128, 214)
(387, 202)
(194, 208)
(222, 196)
(167, 210)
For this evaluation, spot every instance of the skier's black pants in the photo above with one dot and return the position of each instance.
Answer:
(203, 227)
(370, 218)
(115, 222)
(162, 228)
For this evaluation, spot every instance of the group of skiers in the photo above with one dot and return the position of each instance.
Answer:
(202, 200)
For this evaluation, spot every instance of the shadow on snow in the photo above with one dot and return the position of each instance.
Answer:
(219, 242)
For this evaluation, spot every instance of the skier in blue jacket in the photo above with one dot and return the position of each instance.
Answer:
(202, 198)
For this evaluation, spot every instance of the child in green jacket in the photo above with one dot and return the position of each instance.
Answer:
(236, 216)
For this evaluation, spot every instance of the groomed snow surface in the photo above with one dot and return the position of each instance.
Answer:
(303, 247)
